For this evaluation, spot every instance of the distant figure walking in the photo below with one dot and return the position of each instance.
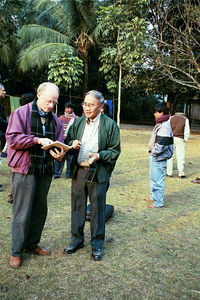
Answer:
(181, 132)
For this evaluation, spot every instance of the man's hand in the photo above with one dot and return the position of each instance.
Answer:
(76, 144)
(95, 156)
(58, 155)
(44, 142)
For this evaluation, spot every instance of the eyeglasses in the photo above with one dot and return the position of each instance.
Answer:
(52, 102)
(90, 105)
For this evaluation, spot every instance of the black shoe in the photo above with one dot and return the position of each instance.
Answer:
(168, 175)
(97, 254)
(55, 177)
(182, 177)
(1, 185)
(73, 248)
(1, 189)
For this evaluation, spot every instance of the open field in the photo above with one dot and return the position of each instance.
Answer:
(149, 253)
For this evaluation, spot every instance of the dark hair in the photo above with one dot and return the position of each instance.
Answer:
(178, 108)
(69, 104)
(162, 107)
(26, 98)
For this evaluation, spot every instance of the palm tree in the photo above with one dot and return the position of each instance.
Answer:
(61, 25)
(8, 29)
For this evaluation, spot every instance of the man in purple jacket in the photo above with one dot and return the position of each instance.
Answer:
(31, 127)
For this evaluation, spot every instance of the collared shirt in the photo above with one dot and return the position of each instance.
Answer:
(89, 141)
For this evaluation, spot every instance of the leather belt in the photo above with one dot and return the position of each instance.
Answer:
(84, 168)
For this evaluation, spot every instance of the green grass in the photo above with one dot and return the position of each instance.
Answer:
(149, 254)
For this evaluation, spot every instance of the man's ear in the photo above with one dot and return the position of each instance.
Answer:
(101, 105)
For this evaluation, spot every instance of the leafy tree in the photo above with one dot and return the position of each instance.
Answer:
(62, 23)
(122, 30)
(65, 69)
(9, 11)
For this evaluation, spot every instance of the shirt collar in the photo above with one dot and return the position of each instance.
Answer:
(42, 114)
(95, 120)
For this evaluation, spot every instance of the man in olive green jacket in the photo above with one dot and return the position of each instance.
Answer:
(95, 139)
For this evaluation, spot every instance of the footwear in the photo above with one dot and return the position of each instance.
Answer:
(182, 177)
(15, 262)
(97, 254)
(196, 180)
(55, 177)
(148, 200)
(1, 185)
(38, 251)
(73, 248)
(41, 251)
(1, 189)
(153, 206)
(10, 198)
(168, 175)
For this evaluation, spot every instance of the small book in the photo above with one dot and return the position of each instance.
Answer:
(57, 144)
(88, 162)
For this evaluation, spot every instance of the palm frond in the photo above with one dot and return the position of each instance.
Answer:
(38, 55)
(30, 33)
(7, 54)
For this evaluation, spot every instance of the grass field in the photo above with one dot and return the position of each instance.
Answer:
(148, 253)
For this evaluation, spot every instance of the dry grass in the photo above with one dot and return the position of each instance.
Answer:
(149, 254)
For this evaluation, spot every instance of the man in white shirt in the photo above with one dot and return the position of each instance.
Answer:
(93, 136)
(181, 132)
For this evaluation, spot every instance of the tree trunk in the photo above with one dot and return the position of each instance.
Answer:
(85, 62)
(119, 95)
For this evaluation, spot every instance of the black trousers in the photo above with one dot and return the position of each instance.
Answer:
(96, 192)
(2, 140)
(29, 210)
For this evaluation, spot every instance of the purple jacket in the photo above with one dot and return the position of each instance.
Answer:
(20, 140)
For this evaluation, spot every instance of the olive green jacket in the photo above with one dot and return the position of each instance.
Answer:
(109, 146)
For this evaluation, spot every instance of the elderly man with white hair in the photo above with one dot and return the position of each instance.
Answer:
(30, 127)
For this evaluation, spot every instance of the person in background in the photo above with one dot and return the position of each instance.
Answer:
(3, 123)
(181, 132)
(31, 127)
(93, 136)
(106, 110)
(67, 120)
(160, 150)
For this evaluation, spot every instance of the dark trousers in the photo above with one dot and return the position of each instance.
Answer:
(2, 140)
(59, 165)
(29, 210)
(97, 196)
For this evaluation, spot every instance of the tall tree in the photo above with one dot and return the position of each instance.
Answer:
(9, 11)
(122, 29)
(175, 36)
(67, 23)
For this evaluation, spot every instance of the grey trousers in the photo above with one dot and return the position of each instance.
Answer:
(29, 210)
(96, 192)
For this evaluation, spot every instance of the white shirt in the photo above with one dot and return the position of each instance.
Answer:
(89, 141)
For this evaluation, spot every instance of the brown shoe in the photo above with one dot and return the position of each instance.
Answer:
(148, 200)
(196, 180)
(15, 262)
(153, 206)
(41, 251)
